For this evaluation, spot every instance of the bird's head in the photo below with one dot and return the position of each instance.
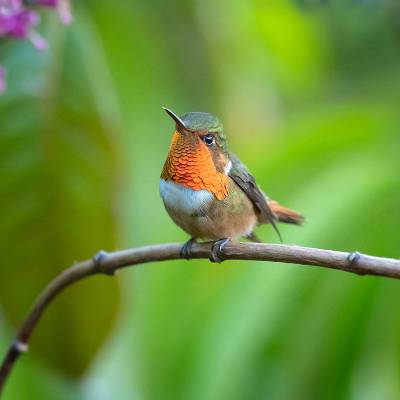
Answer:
(198, 154)
(200, 132)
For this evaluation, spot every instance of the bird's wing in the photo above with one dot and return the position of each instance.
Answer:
(242, 177)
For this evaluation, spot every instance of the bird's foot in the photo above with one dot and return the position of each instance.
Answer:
(216, 250)
(186, 248)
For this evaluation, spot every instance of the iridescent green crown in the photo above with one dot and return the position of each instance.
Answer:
(200, 120)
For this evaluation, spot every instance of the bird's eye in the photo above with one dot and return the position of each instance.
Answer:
(209, 139)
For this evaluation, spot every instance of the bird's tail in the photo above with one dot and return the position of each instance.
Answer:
(285, 214)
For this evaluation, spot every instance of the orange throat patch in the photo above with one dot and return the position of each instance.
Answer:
(190, 164)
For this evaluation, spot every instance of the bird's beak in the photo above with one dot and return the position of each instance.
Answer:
(178, 121)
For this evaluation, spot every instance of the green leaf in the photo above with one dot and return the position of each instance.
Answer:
(58, 147)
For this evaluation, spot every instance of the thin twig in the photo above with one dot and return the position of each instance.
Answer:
(108, 263)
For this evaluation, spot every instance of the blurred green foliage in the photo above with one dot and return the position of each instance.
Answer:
(309, 94)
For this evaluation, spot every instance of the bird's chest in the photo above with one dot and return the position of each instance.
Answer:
(184, 200)
(203, 216)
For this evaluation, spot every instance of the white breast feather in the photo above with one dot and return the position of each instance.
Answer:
(183, 199)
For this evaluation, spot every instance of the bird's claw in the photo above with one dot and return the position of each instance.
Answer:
(186, 249)
(216, 250)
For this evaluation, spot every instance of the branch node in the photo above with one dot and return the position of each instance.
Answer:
(20, 347)
(98, 260)
(354, 257)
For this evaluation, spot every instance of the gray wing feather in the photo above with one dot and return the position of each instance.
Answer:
(242, 177)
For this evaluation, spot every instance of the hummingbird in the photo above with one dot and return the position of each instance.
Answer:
(208, 192)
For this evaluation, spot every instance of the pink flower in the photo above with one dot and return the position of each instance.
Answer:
(18, 24)
(10, 6)
(18, 20)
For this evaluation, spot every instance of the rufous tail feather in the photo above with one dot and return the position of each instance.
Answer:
(285, 214)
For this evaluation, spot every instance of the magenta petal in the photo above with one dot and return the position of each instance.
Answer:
(18, 25)
(3, 25)
(29, 17)
(9, 7)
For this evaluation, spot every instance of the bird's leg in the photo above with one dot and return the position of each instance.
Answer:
(216, 250)
(185, 250)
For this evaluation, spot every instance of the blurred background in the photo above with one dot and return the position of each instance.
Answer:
(309, 94)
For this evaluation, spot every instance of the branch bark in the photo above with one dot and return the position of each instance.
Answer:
(108, 263)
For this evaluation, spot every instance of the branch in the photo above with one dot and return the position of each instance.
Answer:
(108, 263)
